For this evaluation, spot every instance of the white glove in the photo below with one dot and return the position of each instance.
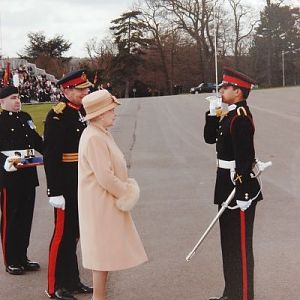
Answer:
(263, 165)
(10, 162)
(214, 102)
(58, 202)
(243, 205)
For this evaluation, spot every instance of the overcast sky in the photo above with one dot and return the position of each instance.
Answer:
(77, 20)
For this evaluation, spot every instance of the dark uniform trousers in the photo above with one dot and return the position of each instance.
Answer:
(17, 205)
(236, 230)
(63, 267)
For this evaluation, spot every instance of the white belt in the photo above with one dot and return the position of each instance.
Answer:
(226, 164)
(22, 153)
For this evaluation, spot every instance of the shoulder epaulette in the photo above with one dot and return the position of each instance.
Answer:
(59, 107)
(241, 111)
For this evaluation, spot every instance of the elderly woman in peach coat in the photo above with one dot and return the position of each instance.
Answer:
(109, 239)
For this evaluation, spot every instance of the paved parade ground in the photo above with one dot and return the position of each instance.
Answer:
(162, 138)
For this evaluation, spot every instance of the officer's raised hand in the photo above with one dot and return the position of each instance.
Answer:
(57, 202)
(214, 104)
(11, 163)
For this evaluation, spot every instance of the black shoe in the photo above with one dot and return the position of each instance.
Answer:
(31, 266)
(82, 289)
(15, 270)
(61, 294)
(219, 298)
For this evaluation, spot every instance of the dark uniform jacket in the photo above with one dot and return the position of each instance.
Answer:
(17, 132)
(63, 128)
(233, 135)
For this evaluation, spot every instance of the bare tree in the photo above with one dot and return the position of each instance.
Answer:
(164, 35)
(242, 28)
(101, 54)
(194, 17)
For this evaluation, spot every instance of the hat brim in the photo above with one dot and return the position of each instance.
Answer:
(83, 85)
(226, 83)
(101, 111)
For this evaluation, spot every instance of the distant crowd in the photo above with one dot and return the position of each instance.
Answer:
(37, 88)
(33, 87)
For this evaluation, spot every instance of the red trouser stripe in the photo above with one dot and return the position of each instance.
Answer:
(55, 243)
(244, 255)
(4, 223)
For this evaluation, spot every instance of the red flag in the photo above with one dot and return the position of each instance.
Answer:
(6, 75)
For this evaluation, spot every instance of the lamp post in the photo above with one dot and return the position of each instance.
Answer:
(215, 44)
(283, 68)
(283, 63)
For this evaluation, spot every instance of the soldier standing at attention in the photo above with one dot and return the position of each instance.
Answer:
(18, 139)
(63, 127)
(233, 135)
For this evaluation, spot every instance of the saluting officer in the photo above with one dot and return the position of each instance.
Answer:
(233, 134)
(63, 127)
(18, 139)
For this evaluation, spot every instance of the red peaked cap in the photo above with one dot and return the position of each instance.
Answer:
(235, 78)
(76, 79)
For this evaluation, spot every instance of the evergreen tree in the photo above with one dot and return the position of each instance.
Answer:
(129, 34)
(277, 34)
(47, 53)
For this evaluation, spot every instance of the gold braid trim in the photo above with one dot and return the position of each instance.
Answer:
(59, 107)
(240, 110)
(220, 112)
(238, 178)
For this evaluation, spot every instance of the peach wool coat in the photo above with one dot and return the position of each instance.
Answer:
(109, 239)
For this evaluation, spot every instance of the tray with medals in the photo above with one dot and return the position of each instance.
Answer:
(30, 162)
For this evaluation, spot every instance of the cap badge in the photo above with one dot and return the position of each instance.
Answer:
(83, 77)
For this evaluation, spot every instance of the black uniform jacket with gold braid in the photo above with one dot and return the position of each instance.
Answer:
(63, 129)
(233, 135)
(17, 132)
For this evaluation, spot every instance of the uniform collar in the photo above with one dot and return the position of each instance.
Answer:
(231, 107)
(10, 113)
(73, 106)
(241, 103)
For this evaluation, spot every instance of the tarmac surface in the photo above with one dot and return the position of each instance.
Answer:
(162, 139)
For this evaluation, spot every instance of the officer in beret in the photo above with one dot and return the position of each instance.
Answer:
(18, 140)
(63, 127)
(232, 132)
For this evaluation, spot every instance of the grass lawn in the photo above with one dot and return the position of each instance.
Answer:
(38, 113)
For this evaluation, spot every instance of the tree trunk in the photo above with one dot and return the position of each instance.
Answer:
(127, 88)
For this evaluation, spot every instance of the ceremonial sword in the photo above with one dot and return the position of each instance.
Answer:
(261, 166)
